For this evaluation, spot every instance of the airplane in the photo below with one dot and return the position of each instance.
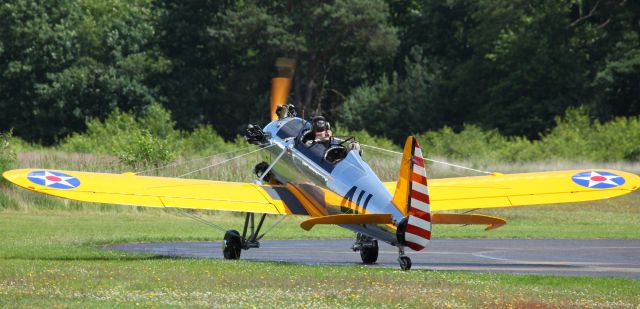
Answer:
(329, 182)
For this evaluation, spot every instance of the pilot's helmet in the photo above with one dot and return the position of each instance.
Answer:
(319, 124)
(291, 109)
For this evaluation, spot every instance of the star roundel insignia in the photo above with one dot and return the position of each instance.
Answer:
(598, 180)
(52, 179)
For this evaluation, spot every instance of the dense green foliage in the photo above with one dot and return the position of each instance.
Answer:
(397, 106)
(514, 65)
(387, 67)
(65, 60)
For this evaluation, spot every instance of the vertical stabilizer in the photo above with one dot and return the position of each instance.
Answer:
(412, 198)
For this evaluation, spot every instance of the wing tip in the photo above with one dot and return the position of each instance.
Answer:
(11, 175)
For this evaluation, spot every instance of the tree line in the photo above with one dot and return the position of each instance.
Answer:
(389, 67)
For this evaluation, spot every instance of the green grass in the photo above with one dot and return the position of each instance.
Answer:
(52, 259)
(218, 283)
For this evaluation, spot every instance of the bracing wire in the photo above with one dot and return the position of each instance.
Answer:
(224, 161)
(272, 227)
(201, 220)
(217, 163)
(194, 160)
(430, 160)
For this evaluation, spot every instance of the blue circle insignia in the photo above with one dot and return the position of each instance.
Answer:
(53, 179)
(598, 179)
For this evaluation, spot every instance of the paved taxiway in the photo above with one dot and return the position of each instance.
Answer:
(601, 258)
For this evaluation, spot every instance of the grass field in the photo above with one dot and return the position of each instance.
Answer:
(50, 256)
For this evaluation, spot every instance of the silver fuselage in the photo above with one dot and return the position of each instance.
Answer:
(330, 186)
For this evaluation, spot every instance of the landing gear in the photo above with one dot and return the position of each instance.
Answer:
(368, 248)
(369, 255)
(234, 243)
(405, 261)
(253, 240)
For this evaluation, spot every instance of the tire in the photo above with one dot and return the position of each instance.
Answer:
(232, 245)
(369, 255)
(405, 262)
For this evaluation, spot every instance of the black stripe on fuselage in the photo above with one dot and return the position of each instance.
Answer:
(283, 194)
(366, 202)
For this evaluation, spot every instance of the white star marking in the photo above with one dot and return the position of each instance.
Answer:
(596, 182)
(47, 182)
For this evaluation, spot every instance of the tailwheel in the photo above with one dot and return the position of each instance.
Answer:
(232, 245)
(405, 262)
(368, 248)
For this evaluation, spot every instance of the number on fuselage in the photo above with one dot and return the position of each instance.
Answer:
(348, 202)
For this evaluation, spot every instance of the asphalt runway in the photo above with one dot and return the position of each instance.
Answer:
(596, 258)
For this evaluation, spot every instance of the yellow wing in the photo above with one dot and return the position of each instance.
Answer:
(503, 190)
(131, 189)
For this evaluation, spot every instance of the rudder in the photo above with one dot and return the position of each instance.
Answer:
(412, 198)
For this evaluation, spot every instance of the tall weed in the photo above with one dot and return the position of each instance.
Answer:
(7, 154)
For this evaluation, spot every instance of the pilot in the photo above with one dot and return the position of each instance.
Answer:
(322, 129)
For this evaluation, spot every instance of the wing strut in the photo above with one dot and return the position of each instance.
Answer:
(259, 181)
(253, 240)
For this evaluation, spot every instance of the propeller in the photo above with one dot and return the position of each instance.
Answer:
(281, 84)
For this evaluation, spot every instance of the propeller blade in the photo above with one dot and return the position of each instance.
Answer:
(281, 84)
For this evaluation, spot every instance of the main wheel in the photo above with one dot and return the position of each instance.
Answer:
(405, 262)
(232, 245)
(369, 254)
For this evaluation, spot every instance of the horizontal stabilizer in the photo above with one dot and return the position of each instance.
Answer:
(347, 219)
(491, 222)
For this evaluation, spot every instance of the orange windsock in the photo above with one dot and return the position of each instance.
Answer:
(281, 84)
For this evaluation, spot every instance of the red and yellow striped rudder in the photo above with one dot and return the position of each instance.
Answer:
(412, 197)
